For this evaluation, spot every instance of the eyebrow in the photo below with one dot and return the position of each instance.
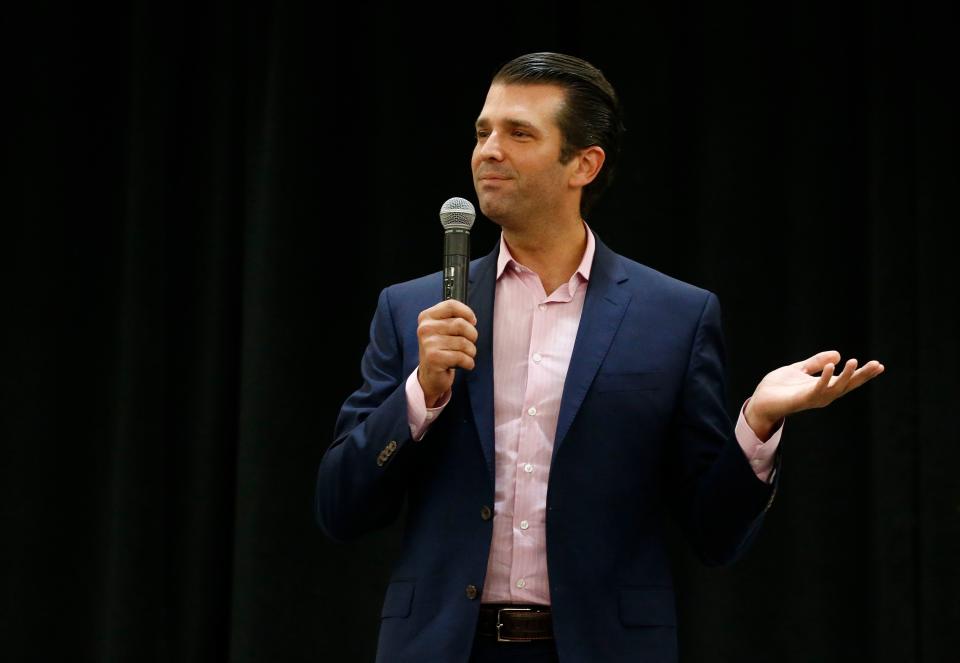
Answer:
(513, 123)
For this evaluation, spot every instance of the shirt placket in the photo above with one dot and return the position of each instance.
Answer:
(529, 469)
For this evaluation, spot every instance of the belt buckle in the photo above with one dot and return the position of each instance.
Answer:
(500, 611)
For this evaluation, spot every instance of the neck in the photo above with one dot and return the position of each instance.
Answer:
(552, 250)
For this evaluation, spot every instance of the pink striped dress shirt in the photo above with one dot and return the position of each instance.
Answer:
(533, 337)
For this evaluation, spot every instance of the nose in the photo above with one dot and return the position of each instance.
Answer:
(490, 148)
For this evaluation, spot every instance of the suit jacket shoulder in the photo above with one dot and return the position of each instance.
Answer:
(649, 282)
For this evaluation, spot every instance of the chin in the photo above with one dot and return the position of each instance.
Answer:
(489, 210)
(496, 210)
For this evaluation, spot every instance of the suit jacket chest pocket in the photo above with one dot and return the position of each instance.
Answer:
(610, 381)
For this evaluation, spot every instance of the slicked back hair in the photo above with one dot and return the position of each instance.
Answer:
(590, 115)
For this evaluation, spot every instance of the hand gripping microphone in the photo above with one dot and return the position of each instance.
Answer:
(457, 216)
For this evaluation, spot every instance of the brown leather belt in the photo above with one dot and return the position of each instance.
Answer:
(509, 622)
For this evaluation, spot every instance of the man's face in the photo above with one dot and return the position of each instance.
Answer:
(516, 162)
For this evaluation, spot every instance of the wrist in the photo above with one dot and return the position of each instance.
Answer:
(430, 398)
(762, 424)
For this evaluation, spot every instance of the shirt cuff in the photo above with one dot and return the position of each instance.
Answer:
(419, 416)
(759, 453)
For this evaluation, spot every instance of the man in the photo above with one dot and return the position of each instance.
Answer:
(590, 399)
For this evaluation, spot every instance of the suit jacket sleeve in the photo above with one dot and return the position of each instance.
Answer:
(361, 479)
(717, 497)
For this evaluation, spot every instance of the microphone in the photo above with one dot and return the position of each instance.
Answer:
(456, 216)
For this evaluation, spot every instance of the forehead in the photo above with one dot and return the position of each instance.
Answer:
(536, 104)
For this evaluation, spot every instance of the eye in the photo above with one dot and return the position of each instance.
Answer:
(520, 133)
(482, 133)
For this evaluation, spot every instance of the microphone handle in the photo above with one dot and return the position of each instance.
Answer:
(456, 264)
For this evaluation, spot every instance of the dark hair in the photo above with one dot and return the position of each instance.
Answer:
(591, 113)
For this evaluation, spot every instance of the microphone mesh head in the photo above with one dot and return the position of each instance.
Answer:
(457, 213)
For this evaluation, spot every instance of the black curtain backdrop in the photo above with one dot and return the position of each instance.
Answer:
(201, 201)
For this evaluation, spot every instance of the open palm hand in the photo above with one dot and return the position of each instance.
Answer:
(797, 387)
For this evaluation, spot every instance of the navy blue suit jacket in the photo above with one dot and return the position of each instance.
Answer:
(642, 430)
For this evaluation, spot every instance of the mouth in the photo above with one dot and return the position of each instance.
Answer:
(492, 175)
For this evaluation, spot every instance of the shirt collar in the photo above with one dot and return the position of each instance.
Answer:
(506, 259)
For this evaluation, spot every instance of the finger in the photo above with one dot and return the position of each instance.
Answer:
(819, 361)
(454, 359)
(441, 343)
(840, 383)
(446, 327)
(452, 327)
(450, 308)
(466, 362)
(865, 373)
(461, 344)
(462, 327)
(443, 361)
(823, 382)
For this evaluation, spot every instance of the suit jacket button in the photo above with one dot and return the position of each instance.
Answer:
(471, 592)
(485, 512)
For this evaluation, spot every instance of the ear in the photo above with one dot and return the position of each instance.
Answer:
(587, 163)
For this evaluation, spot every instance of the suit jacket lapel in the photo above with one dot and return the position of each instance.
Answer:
(480, 380)
(603, 309)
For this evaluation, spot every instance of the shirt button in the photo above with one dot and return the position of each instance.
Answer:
(429, 416)
(532, 411)
(524, 524)
(471, 592)
(537, 357)
(542, 307)
(755, 462)
(528, 468)
(521, 583)
(485, 512)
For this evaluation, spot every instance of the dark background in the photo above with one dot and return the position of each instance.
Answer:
(201, 201)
